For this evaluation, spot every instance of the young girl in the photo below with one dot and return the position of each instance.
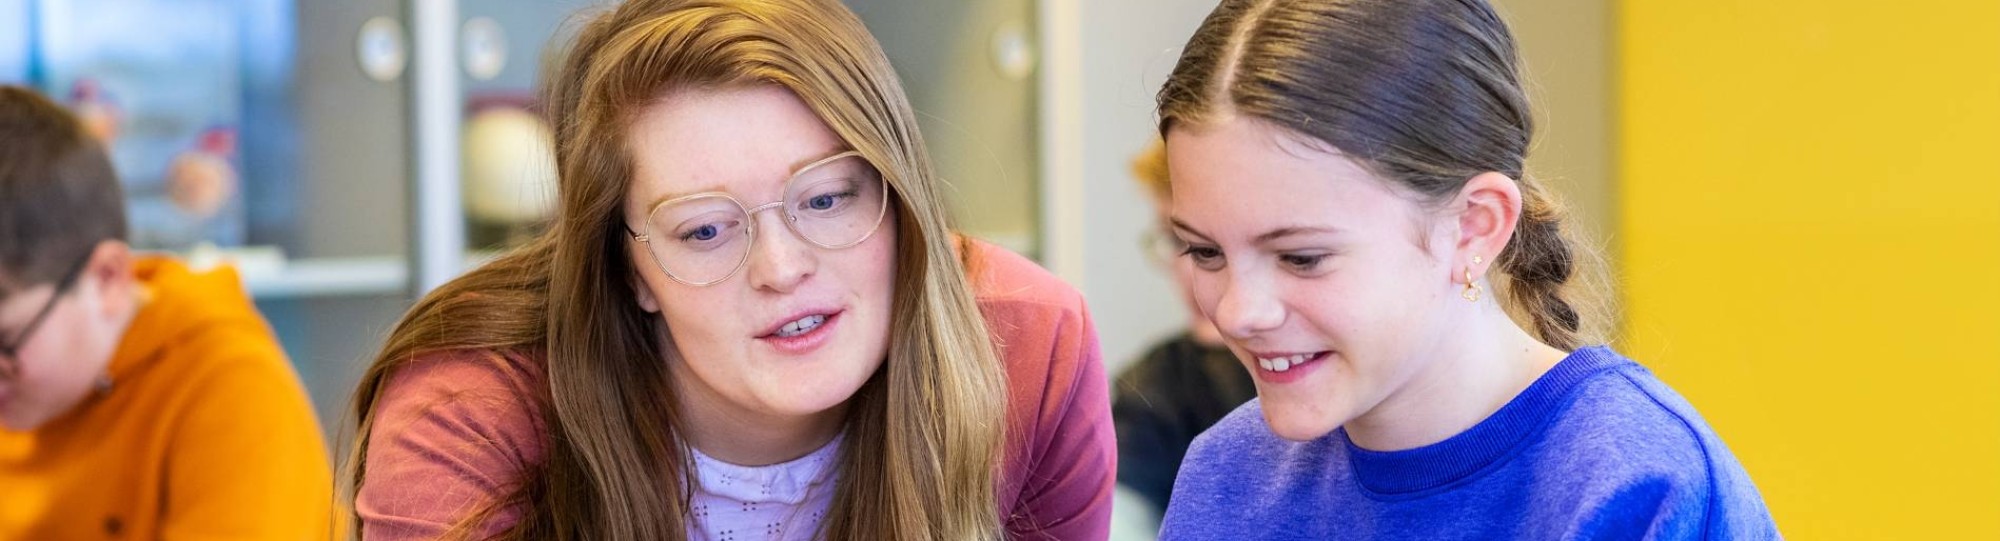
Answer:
(748, 321)
(1348, 180)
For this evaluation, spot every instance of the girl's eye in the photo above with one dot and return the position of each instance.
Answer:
(1204, 257)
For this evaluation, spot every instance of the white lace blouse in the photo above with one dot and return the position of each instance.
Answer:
(779, 502)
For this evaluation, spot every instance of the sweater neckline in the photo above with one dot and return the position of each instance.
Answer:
(1464, 455)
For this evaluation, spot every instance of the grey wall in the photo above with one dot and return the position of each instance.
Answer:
(354, 148)
(978, 124)
(1128, 49)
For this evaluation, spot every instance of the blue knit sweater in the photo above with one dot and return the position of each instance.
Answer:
(1597, 448)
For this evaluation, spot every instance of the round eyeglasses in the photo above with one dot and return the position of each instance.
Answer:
(705, 238)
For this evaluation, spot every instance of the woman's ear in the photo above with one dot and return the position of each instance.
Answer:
(637, 280)
(647, 301)
(1489, 210)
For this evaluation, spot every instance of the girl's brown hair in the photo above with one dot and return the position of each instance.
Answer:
(1423, 93)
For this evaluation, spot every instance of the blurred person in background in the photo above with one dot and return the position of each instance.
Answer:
(748, 320)
(1182, 385)
(139, 399)
(1349, 181)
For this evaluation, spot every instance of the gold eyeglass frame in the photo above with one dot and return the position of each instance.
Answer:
(750, 214)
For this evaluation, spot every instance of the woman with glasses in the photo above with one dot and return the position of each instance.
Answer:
(748, 321)
(1349, 183)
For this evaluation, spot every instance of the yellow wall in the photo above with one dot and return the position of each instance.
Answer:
(1810, 216)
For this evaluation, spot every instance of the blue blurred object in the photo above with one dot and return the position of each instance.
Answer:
(14, 42)
(150, 76)
(270, 133)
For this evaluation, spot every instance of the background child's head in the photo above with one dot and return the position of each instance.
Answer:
(66, 285)
(1150, 167)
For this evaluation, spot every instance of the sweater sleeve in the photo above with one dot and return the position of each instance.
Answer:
(1067, 495)
(450, 438)
(247, 460)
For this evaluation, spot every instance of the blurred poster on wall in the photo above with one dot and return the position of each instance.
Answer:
(160, 82)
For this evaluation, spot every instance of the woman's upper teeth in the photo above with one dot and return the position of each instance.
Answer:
(801, 325)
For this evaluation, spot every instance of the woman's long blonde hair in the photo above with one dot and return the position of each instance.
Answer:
(923, 434)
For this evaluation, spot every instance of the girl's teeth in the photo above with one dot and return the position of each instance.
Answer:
(1280, 364)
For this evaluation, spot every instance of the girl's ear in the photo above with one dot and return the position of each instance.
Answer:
(1489, 210)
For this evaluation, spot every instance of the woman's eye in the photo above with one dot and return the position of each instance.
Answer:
(702, 233)
(705, 232)
(826, 201)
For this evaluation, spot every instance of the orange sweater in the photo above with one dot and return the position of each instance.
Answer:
(205, 433)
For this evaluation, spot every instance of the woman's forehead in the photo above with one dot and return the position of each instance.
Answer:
(745, 139)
